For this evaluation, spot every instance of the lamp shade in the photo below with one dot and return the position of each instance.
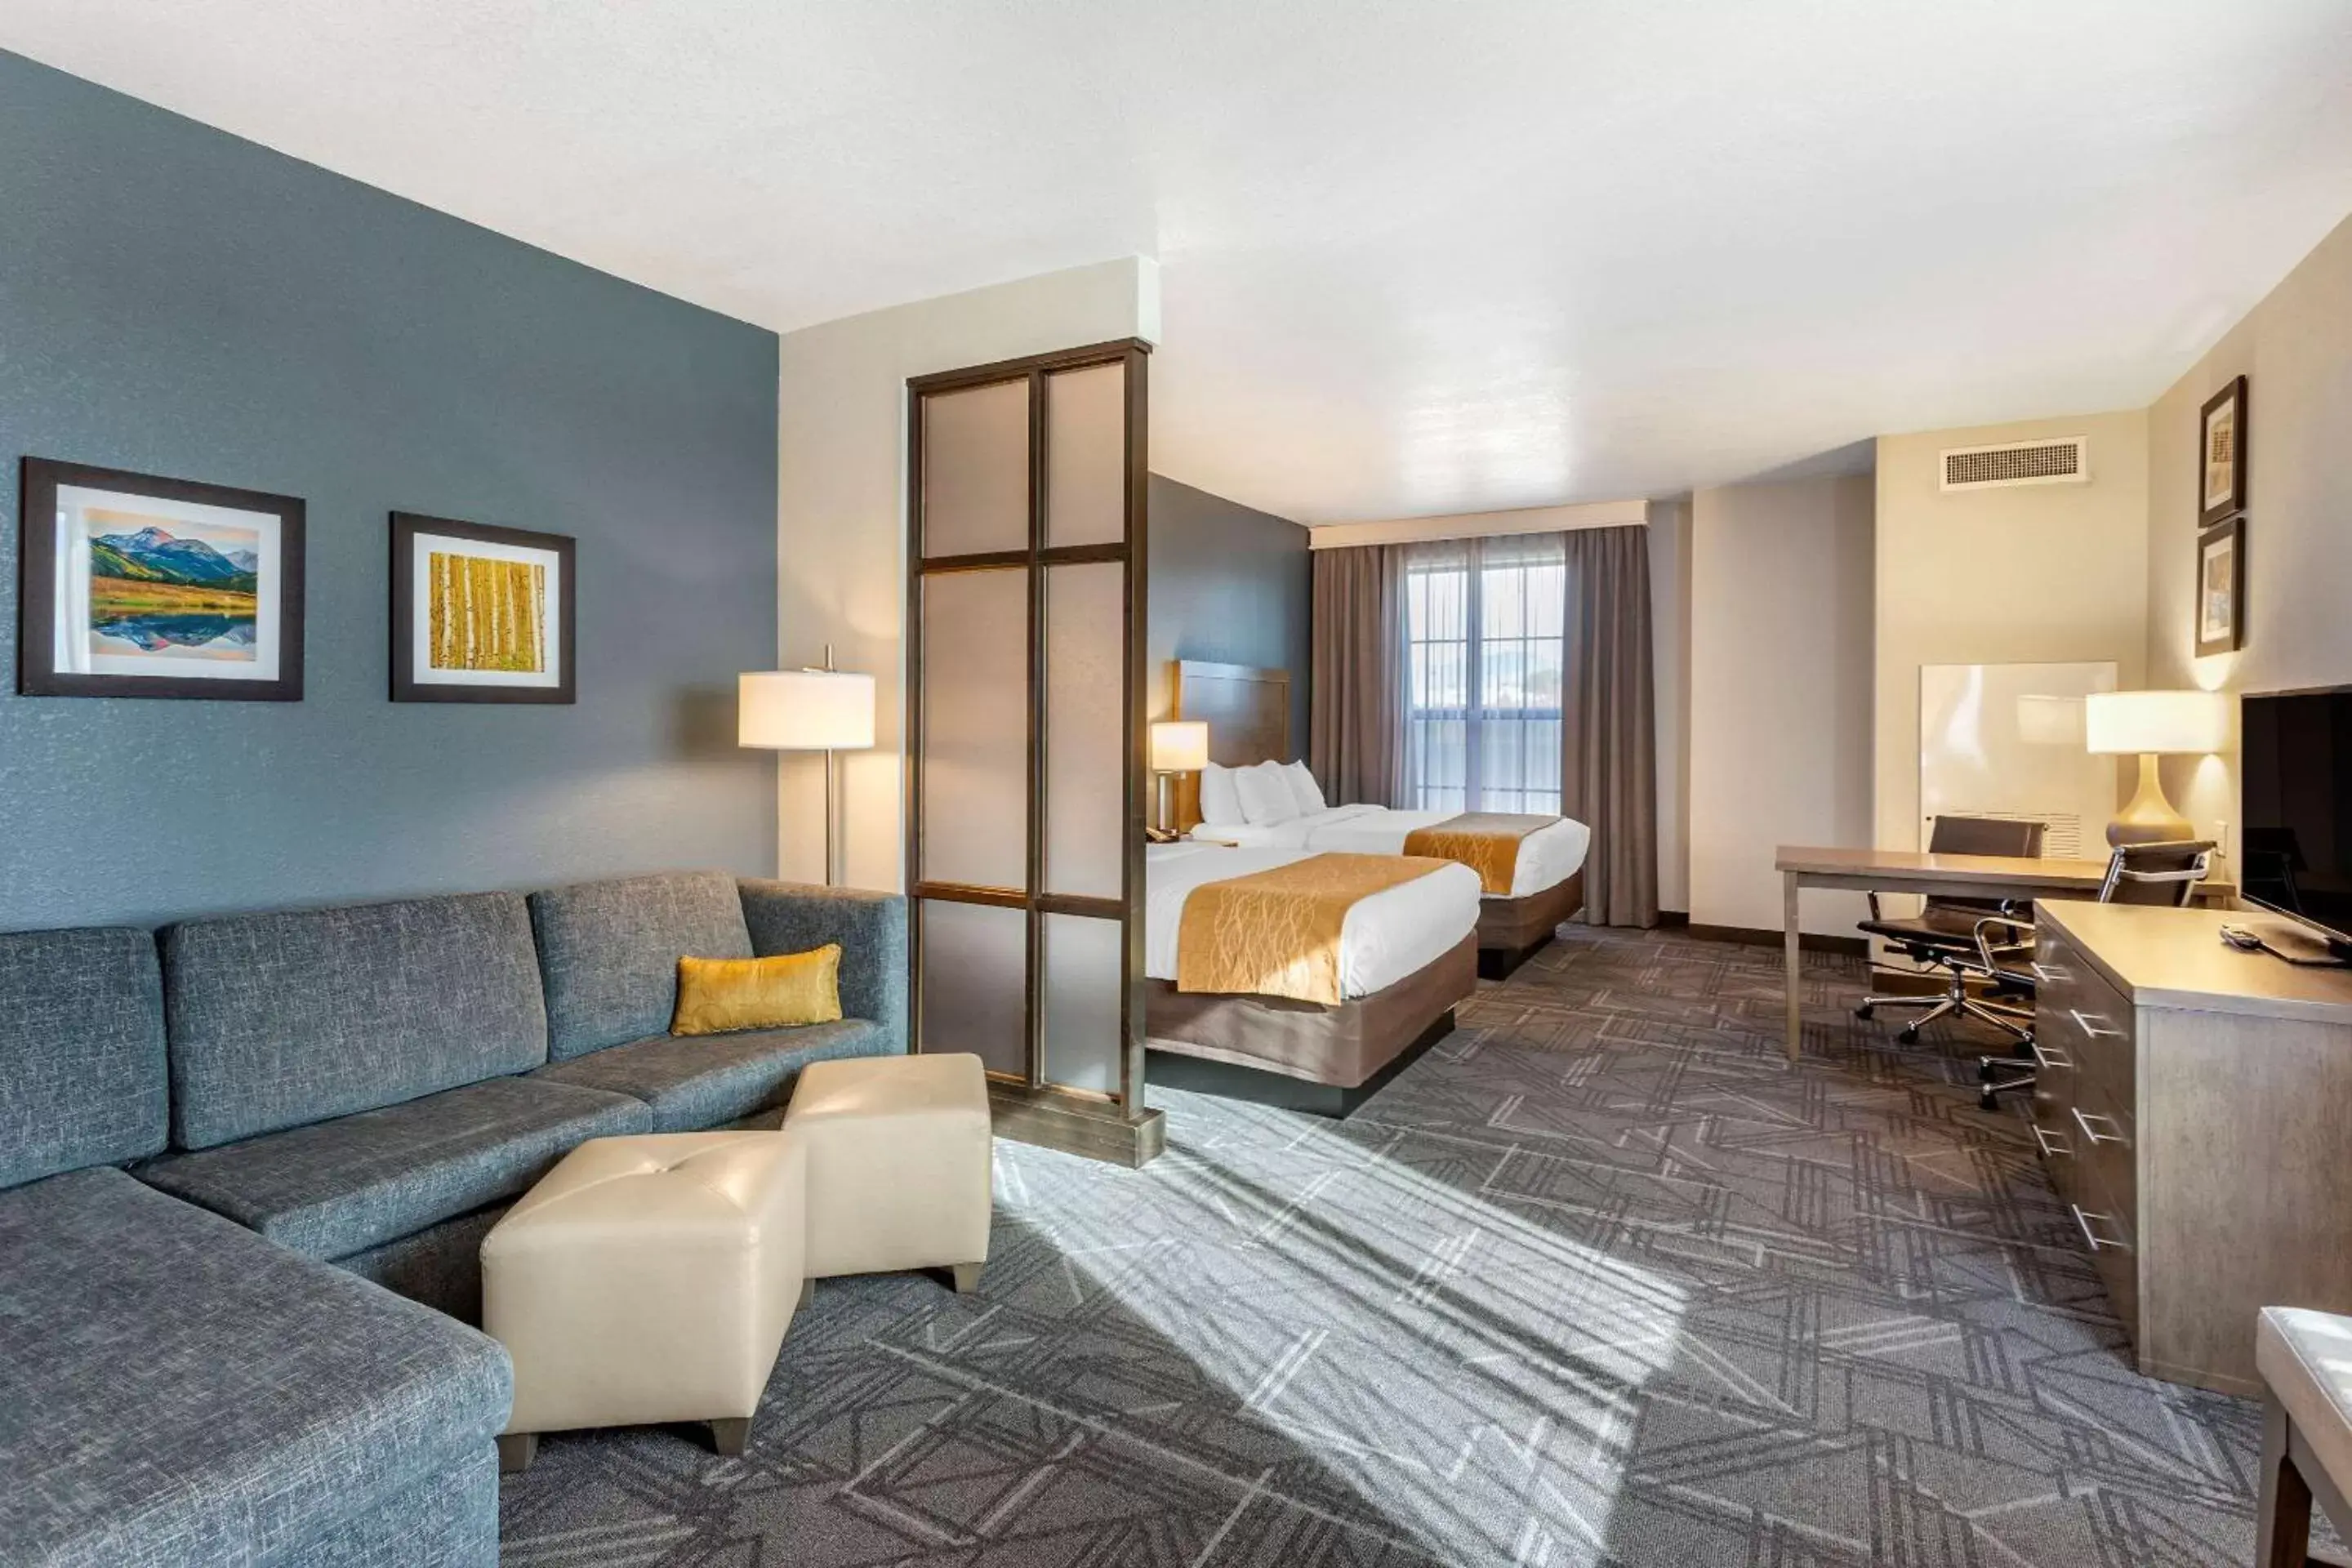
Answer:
(805, 711)
(2121, 723)
(1180, 746)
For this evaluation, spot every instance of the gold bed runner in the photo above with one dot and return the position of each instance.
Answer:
(1485, 841)
(1277, 933)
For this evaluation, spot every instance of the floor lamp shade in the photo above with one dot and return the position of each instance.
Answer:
(805, 711)
(824, 711)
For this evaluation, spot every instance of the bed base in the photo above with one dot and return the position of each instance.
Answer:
(1327, 1060)
(1228, 1081)
(1512, 931)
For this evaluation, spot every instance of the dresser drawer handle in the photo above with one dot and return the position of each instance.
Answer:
(2084, 1021)
(2051, 974)
(2092, 1236)
(2049, 1059)
(2093, 1134)
(2052, 1145)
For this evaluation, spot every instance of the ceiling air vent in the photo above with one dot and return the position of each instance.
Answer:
(2065, 461)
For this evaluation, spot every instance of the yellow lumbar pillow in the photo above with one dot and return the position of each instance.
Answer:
(715, 995)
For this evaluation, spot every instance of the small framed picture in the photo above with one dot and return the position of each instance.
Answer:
(479, 613)
(2221, 587)
(134, 585)
(2222, 475)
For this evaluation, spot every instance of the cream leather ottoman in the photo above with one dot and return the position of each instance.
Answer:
(644, 1279)
(898, 1164)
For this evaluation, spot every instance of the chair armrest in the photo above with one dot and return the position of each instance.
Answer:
(793, 917)
(1985, 945)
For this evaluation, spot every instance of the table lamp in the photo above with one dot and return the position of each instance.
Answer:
(825, 710)
(2153, 724)
(1178, 746)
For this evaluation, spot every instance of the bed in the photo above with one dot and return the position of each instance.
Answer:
(1247, 711)
(1406, 956)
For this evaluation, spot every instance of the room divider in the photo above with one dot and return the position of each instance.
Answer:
(1025, 767)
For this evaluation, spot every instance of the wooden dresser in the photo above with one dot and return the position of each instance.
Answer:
(2194, 1108)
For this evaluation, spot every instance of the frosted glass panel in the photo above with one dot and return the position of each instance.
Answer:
(1086, 456)
(1085, 985)
(976, 470)
(976, 728)
(1086, 729)
(975, 983)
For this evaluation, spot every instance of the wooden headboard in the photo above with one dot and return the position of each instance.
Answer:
(1247, 711)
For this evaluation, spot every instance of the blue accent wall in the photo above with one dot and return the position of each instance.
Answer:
(1227, 583)
(174, 301)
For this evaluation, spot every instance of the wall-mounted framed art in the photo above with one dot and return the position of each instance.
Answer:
(481, 614)
(2221, 469)
(2221, 587)
(135, 585)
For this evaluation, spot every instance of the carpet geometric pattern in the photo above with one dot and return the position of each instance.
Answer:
(1600, 1279)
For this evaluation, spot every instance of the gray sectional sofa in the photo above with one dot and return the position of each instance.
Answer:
(240, 1167)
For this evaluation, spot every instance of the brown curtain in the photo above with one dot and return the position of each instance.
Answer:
(1609, 739)
(1356, 694)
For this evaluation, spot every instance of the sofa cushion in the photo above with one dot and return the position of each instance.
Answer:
(81, 1051)
(609, 951)
(871, 929)
(709, 1080)
(175, 1390)
(337, 1188)
(282, 1019)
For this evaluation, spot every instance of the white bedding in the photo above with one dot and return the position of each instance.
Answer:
(1547, 856)
(1384, 938)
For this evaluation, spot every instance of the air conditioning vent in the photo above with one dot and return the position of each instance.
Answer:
(2060, 462)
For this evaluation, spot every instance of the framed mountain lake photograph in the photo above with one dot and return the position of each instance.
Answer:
(132, 586)
(479, 613)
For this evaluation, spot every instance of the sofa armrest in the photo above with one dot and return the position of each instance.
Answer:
(793, 917)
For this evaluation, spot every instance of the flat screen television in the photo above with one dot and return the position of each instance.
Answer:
(2294, 774)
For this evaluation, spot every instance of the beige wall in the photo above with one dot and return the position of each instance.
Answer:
(2295, 351)
(1780, 747)
(841, 514)
(2038, 573)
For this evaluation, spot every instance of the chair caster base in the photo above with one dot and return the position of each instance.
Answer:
(1863, 1012)
(1908, 1037)
(1985, 1102)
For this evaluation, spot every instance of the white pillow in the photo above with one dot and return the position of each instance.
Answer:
(1267, 799)
(1305, 790)
(1221, 806)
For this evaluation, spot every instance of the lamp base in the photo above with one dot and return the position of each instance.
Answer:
(2148, 817)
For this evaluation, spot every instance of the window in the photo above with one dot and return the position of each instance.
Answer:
(1483, 622)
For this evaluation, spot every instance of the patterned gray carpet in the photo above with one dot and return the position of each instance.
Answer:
(1600, 1279)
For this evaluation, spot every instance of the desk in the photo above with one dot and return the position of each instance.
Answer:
(1950, 875)
(2189, 1107)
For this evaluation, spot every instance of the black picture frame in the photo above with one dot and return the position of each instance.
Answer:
(2217, 506)
(2230, 536)
(407, 686)
(37, 544)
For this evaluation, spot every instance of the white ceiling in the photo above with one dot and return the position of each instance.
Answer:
(1419, 255)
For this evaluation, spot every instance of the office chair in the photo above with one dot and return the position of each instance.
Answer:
(1943, 936)
(2164, 874)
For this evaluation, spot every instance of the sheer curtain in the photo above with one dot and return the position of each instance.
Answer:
(1484, 637)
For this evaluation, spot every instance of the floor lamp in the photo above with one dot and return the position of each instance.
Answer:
(825, 710)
